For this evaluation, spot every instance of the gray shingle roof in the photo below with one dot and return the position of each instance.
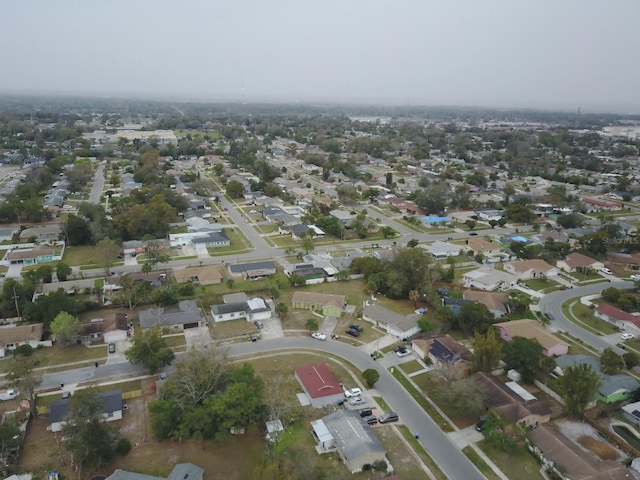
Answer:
(245, 267)
(111, 402)
(186, 312)
(353, 437)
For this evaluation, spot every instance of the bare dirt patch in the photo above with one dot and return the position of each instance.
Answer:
(601, 449)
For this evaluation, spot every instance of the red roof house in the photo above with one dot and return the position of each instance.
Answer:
(320, 385)
(618, 317)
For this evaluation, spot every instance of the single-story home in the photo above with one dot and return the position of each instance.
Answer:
(532, 329)
(343, 216)
(512, 401)
(320, 385)
(251, 309)
(42, 233)
(30, 256)
(441, 250)
(112, 328)
(206, 275)
(480, 245)
(400, 326)
(496, 302)
(252, 270)
(631, 412)
(12, 336)
(488, 215)
(596, 205)
(111, 402)
(612, 388)
(211, 239)
(489, 279)
(329, 305)
(570, 461)
(185, 315)
(577, 262)
(617, 317)
(353, 440)
(629, 261)
(443, 351)
(528, 269)
(181, 471)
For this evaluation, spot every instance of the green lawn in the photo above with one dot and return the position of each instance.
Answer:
(583, 316)
(57, 354)
(478, 462)
(540, 284)
(519, 463)
(239, 244)
(410, 367)
(427, 383)
(82, 255)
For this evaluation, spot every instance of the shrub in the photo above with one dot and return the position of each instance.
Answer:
(123, 447)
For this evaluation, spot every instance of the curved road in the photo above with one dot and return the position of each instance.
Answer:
(449, 458)
(553, 302)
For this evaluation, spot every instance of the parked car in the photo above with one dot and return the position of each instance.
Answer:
(388, 417)
(549, 315)
(8, 394)
(357, 327)
(112, 348)
(319, 336)
(356, 400)
(365, 412)
(403, 352)
(473, 234)
(627, 336)
(352, 392)
(352, 332)
(259, 323)
(371, 419)
(479, 426)
(607, 271)
(635, 278)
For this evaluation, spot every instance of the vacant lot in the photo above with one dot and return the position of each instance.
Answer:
(238, 456)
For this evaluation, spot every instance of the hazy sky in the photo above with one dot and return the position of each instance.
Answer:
(514, 53)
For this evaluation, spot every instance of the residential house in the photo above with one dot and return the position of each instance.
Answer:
(512, 401)
(181, 471)
(275, 214)
(497, 303)
(617, 317)
(570, 461)
(31, 256)
(443, 351)
(489, 279)
(596, 205)
(206, 275)
(530, 269)
(253, 270)
(112, 328)
(400, 326)
(631, 412)
(354, 441)
(455, 304)
(211, 239)
(251, 309)
(319, 384)
(329, 305)
(13, 336)
(612, 388)
(343, 216)
(6, 233)
(300, 230)
(441, 250)
(42, 233)
(111, 402)
(577, 262)
(480, 245)
(488, 215)
(628, 261)
(185, 315)
(532, 329)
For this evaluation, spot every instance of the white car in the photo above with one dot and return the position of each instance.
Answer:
(627, 336)
(635, 278)
(353, 392)
(319, 336)
(607, 271)
(356, 401)
(403, 353)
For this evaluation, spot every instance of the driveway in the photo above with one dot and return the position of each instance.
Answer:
(272, 329)
(199, 336)
(14, 271)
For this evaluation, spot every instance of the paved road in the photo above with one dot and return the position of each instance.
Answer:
(553, 303)
(443, 451)
(98, 185)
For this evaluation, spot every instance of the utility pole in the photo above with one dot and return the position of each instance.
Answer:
(15, 299)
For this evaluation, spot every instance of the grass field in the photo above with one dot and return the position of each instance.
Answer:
(518, 463)
(481, 464)
(82, 255)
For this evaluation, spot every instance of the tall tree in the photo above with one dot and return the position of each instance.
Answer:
(487, 351)
(106, 253)
(527, 357)
(577, 388)
(63, 271)
(65, 327)
(132, 292)
(86, 434)
(474, 317)
(611, 362)
(23, 375)
(414, 296)
(155, 253)
(150, 350)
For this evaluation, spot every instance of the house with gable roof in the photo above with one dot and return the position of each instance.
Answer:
(181, 471)
(320, 385)
(532, 329)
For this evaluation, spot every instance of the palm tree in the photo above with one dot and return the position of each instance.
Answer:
(414, 296)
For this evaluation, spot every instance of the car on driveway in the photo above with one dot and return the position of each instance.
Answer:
(627, 336)
(352, 332)
(635, 278)
(606, 271)
(259, 323)
(403, 352)
(112, 348)
(319, 336)
(479, 426)
(356, 401)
